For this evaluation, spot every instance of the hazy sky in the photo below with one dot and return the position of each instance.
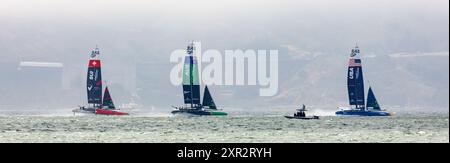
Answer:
(311, 31)
(391, 25)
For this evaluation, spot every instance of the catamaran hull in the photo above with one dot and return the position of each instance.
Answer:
(84, 110)
(362, 113)
(198, 112)
(109, 112)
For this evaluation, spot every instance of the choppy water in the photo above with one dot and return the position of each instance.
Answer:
(233, 128)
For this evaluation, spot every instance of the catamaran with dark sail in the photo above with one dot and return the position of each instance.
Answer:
(94, 85)
(355, 87)
(191, 90)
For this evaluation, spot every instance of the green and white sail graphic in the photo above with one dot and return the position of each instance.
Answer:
(191, 84)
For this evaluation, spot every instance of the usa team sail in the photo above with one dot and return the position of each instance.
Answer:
(355, 88)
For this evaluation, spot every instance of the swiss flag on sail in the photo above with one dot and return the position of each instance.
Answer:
(94, 63)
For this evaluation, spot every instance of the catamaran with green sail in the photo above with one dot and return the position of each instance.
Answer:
(191, 90)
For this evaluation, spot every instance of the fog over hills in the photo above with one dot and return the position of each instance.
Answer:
(404, 45)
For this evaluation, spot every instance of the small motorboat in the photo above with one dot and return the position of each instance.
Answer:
(301, 114)
(298, 117)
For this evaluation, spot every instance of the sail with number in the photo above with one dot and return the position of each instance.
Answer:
(94, 79)
(355, 81)
(191, 85)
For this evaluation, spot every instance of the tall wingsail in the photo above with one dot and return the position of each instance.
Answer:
(372, 102)
(107, 100)
(94, 79)
(355, 81)
(191, 86)
(208, 100)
